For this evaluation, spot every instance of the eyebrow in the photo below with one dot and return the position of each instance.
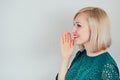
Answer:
(76, 22)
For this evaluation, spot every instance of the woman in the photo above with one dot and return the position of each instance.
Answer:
(91, 33)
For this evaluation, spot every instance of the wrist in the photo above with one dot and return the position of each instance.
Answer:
(65, 60)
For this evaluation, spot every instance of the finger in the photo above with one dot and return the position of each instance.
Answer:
(69, 37)
(62, 39)
(72, 43)
(66, 37)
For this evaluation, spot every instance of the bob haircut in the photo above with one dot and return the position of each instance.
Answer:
(98, 20)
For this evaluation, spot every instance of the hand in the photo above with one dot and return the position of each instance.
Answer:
(67, 45)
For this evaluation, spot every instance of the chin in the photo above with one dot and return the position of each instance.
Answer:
(78, 43)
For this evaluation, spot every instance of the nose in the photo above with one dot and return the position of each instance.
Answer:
(74, 30)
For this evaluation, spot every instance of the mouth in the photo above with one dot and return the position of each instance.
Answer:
(75, 36)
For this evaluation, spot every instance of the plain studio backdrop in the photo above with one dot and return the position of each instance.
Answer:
(30, 33)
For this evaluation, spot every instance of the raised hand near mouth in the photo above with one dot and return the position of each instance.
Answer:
(66, 45)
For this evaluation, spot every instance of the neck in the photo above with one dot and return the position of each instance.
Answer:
(95, 53)
(89, 53)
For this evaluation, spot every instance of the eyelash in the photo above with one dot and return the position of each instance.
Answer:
(78, 25)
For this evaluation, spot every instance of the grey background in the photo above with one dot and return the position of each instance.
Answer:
(30, 31)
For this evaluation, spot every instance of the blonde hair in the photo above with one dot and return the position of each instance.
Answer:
(100, 38)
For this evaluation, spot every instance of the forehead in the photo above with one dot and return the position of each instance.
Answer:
(81, 17)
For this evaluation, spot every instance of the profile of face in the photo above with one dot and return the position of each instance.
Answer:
(81, 29)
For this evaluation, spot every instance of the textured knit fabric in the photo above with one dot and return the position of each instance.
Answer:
(101, 67)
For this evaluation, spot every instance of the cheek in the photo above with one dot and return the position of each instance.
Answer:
(87, 35)
(84, 33)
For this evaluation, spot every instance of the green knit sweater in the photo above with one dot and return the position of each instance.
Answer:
(101, 67)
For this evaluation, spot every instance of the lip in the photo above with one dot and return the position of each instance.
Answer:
(75, 36)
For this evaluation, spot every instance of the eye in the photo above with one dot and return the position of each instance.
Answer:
(78, 25)
(73, 24)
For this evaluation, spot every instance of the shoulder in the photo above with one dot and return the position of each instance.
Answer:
(79, 53)
(77, 56)
(110, 69)
(109, 59)
(106, 58)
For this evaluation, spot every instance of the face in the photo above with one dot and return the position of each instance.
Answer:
(81, 29)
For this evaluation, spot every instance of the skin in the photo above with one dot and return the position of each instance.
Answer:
(81, 30)
(81, 34)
